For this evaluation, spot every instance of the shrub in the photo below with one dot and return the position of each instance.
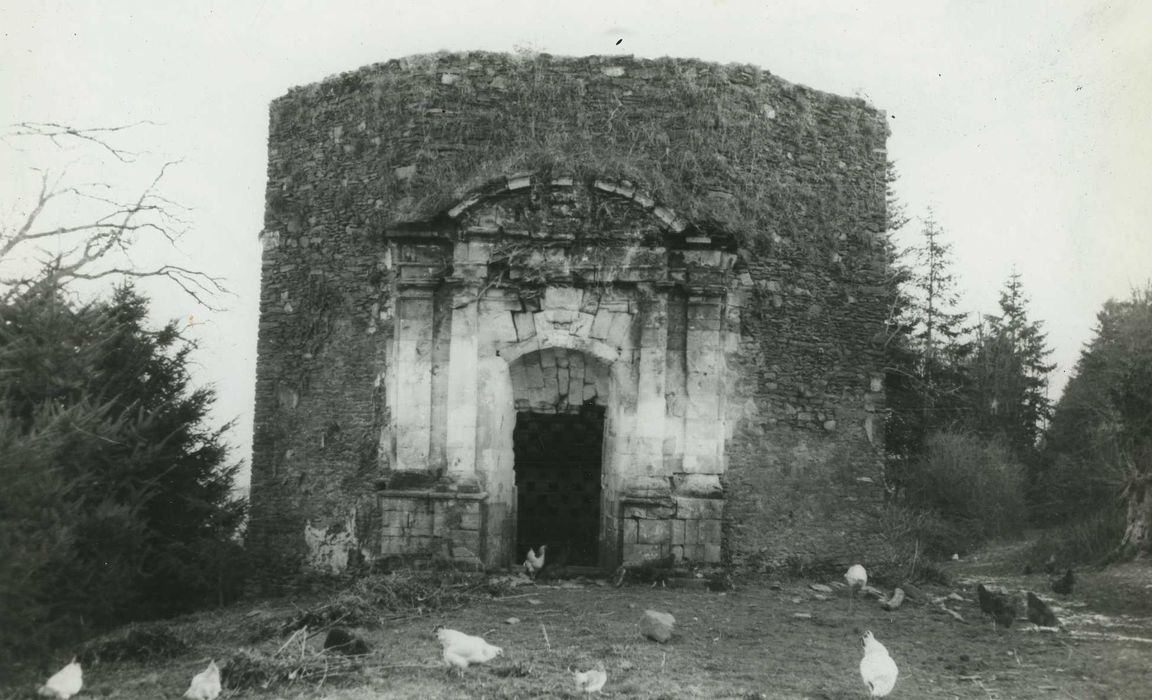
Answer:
(368, 601)
(962, 491)
(1085, 541)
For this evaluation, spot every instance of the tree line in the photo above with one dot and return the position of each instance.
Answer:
(975, 446)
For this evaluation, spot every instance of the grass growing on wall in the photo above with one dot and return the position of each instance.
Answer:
(719, 144)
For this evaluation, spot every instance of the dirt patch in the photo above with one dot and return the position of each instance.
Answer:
(752, 642)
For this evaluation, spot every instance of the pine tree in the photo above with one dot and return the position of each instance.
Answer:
(1009, 392)
(939, 328)
(928, 376)
(102, 430)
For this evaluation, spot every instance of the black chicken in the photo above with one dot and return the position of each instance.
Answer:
(342, 641)
(998, 605)
(1039, 613)
(654, 571)
(1063, 585)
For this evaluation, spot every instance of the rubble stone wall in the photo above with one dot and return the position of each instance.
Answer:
(440, 228)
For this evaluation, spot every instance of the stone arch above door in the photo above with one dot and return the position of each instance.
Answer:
(553, 379)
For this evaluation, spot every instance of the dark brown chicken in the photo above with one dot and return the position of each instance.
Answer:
(1063, 585)
(1039, 613)
(998, 605)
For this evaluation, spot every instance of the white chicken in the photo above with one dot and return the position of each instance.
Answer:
(461, 649)
(856, 577)
(590, 681)
(64, 683)
(533, 563)
(877, 668)
(205, 685)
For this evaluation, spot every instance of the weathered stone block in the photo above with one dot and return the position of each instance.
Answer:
(640, 553)
(582, 325)
(712, 553)
(525, 325)
(565, 298)
(691, 532)
(654, 531)
(602, 324)
(562, 317)
(699, 508)
(651, 511)
(469, 539)
(393, 545)
(697, 485)
(631, 528)
(710, 532)
(620, 332)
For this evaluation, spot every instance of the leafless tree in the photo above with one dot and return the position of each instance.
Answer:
(71, 231)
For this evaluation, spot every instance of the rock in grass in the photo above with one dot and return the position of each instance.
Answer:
(657, 626)
(913, 593)
(895, 601)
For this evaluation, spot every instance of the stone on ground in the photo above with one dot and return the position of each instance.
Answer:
(913, 593)
(895, 601)
(657, 626)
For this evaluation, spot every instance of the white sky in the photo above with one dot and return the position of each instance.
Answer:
(1024, 123)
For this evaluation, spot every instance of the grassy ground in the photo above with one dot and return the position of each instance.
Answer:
(756, 641)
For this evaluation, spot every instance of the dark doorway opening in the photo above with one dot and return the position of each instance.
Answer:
(557, 465)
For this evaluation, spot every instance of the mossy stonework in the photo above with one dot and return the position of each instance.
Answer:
(456, 243)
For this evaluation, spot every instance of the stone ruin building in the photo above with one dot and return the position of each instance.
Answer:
(628, 308)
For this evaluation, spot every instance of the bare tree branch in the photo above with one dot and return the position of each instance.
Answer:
(59, 133)
(87, 246)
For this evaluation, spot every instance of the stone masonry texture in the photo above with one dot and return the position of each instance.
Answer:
(450, 239)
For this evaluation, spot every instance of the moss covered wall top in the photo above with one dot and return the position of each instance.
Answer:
(732, 147)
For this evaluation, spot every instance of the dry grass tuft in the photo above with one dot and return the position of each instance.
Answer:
(133, 643)
(293, 663)
(373, 600)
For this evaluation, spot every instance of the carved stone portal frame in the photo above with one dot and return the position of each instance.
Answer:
(543, 294)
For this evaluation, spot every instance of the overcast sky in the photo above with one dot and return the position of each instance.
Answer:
(1023, 124)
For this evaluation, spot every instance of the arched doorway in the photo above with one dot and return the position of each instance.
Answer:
(558, 462)
(558, 457)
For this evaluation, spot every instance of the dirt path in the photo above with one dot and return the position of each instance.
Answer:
(1114, 604)
(753, 642)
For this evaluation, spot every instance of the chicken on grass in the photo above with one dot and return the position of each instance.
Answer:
(857, 578)
(1039, 613)
(533, 563)
(999, 605)
(64, 683)
(1063, 585)
(653, 571)
(461, 650)
(590, 681)
(205, 685)
(877, 668)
